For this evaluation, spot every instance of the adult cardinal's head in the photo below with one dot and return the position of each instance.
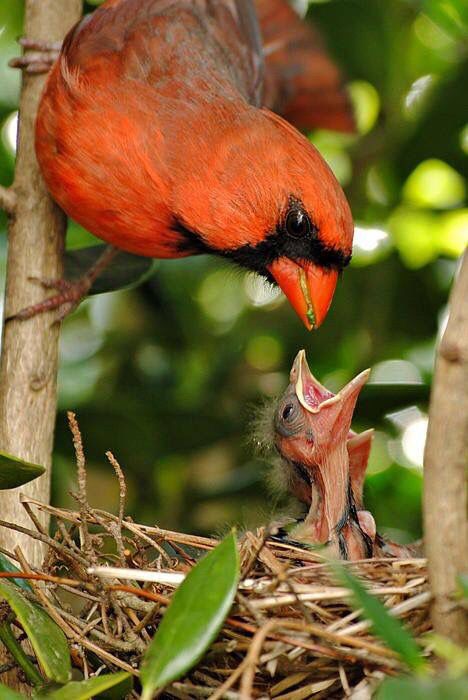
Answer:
(268, 201)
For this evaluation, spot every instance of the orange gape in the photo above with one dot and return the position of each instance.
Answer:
(154, 132)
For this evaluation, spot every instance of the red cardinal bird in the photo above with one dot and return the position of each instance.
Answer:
(154, 134)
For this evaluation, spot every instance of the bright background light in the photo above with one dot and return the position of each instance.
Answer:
(10, 131)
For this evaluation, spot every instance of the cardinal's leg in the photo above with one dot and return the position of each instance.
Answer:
(40, 56)
(69, 292)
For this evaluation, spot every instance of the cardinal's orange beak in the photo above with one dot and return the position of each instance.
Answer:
(308, 287)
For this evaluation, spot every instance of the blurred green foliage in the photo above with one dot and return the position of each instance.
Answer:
(166, 375)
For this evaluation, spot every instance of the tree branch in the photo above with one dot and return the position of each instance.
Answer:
(28, 365)
(445, 484)
(7, 199)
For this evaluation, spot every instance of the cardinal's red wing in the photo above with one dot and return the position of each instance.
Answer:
(302, 82)
(250, 28)
(134, 35)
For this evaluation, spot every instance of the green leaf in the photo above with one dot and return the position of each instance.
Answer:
(117, 692)
(8, 567)
(47, 639)
(125, 270)
(450, 15)
(193, 619)
(16, 472)
(82, 690)
(8, 694)
(19, 655)
(423, 689)
(454, 656)
(388, 628)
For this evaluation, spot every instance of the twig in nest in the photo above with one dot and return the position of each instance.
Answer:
(259, 544)
(221, 691)
(39, 527)
(81, 496)
(348, 654)
(117, 528)
(171, 578)
(397, 610)
(66, 553)
(122, 485)
(252, 658)
(32, 576)
(146, 620)
(68, 629)
(4, 668)
(281, 572)
(138, 531)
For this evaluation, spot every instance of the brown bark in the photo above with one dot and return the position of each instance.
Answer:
(445, 465)
(7, 200)
(28, 366)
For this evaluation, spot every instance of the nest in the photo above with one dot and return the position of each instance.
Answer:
(291, 634)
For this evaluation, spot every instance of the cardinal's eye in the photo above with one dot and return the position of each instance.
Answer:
(297, 223)
(287, 411)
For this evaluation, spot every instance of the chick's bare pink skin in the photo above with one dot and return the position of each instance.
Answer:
(325, 465)
(313, 436)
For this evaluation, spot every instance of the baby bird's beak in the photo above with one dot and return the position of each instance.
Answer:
(334, 412)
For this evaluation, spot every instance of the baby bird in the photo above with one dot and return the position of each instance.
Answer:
(323, 465)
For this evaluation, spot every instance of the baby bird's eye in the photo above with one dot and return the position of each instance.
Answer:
(287, 411)
(297, 223)
(288, 417)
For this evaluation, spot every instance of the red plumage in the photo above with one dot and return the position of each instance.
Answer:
(153, 133)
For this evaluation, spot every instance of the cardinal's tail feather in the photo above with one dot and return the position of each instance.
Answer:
(302, 83)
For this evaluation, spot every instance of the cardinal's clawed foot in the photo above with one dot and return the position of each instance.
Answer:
(68, 297)
(40, 56)
(69, 292)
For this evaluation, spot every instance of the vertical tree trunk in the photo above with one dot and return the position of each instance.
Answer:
(28, 367)
(445, 468)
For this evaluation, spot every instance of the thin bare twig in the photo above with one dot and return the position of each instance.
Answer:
(68, 629)
(38, 525)
(229, 682)
(397, 610)
(81, 496)
(68, 554)
(122, 485)
(252, 659)
(170, 578)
